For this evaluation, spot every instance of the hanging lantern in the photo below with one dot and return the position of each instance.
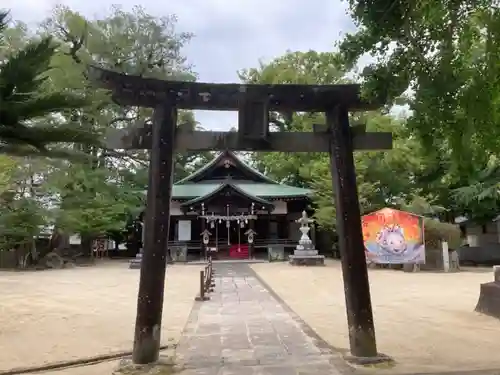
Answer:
(212, 224)
(220, 221)
(246, 221)
(242, 224)
(228, 223)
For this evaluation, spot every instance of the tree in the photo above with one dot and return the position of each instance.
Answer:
(96, 195)
(294, 67)
(99, 196)
(22, 212)
(384, 178)
(21, 220)
(91, 202)
(439, 57)
(24, 102)
(130, 42)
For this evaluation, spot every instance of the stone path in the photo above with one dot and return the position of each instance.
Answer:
(244, 329)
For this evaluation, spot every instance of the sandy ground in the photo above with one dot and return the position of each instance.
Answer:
(66, 314)
(425, 321)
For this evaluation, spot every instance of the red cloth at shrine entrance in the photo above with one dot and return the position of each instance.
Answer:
(238, 251)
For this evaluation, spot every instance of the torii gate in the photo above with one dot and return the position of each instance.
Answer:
(253, 103)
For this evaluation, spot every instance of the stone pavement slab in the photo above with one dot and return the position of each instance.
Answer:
(243, 329)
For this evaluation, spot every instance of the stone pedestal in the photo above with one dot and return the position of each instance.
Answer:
(276, 253)
(136, 262)
(307, 260)
(178, 253)
(305, 254)
(489, 296)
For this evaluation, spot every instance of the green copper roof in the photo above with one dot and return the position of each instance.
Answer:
(258, 189)
(229, 186)
(193, 190)
(272, 190)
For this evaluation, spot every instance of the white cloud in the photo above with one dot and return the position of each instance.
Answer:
(229, 35)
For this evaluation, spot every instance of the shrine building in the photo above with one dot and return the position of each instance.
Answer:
(229, 210)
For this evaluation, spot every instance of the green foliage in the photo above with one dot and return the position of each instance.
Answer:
(440, 58)
(436, 231)
(384, 178)
(8, 167)
(93, 202)
(480, 197)
(437, 49)
(376, 171)
(408, 177)
(294, 67)
(319, 68)
(54, 110)
(102, 195)
(130, 42)
(20, 222)
(23, 100)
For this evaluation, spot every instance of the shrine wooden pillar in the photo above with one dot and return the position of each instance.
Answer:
(352, 250)
(154, 259)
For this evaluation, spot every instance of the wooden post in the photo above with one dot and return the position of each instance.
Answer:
(354, 270)
(202, 284)
(203, 247)
(152, 279)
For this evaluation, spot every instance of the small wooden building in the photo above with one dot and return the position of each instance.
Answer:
(230, 200)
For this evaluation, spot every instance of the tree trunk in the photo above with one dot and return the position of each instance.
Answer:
(86, 245)
(58, 242)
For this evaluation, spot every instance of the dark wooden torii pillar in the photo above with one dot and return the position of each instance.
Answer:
(254, 102)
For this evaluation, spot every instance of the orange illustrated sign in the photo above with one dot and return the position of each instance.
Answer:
(393, 237)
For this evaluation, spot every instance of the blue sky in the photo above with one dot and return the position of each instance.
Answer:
(229, 34)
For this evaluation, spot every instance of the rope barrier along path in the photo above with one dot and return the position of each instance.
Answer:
(87, 361)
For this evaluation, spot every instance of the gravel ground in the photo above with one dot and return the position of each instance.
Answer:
(58, 315)
(425, 321)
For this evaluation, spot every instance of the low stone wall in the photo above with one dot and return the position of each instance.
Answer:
(8, 259)
(488, 254)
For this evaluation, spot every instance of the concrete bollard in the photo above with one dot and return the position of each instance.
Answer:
(496, 274)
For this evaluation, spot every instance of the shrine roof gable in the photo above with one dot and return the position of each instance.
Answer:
(226, 159)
